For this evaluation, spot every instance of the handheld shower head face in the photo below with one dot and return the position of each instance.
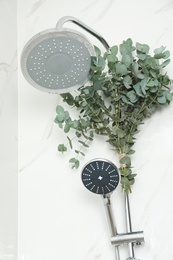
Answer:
(57, 61)
(100, 176)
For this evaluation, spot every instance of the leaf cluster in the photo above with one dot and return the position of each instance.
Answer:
(128, 85)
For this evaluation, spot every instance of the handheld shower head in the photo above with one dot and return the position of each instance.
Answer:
(100, 176)
(59, 60)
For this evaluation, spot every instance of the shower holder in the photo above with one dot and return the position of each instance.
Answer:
(137, 238)
(101, 177)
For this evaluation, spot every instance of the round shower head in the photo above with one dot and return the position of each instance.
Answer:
(100, 176)
(57, 61)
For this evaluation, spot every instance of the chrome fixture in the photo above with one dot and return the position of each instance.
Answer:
(101, 177)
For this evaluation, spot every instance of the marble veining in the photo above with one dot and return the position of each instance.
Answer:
(36, 6)
(105, 10)
(4, 66)
(101, 13)
(165, 8)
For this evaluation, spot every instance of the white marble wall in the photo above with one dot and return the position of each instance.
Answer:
(8, 130)
(58, 217)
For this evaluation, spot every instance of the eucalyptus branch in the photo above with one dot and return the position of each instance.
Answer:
(123, 93)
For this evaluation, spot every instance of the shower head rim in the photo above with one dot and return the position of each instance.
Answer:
(51, 33)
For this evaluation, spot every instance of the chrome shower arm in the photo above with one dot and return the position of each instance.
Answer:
(65, 19)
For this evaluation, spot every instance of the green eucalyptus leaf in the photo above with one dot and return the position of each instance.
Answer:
(131, 181)
(125, 181)
(159, 56)
(168, 95)
(60, 118)
(144, 48)
(127, 172)
(140, 76)
(75, 162)
(142, 56)
(91, 134)
(127, 81)
(131, 152)
(150, 83)
(82, 153)
(121, 69)
(97, 85)
(83, 123)
(143, 85)
(126, 60)
(70, 142)
(132, 176)
(135, 68)
(86, 91)
(78, 134)
(165, 63)
(84, 104)
(66, 128)
(74, 124)
(60, 123)
(126, 149)
(66, 115)
(152, 63)
(114, 49)
(112, 57)
(153, 73)
(83, 143)
(126, 47)
(62, 148)
(132, 96)
(125, 100)
(161, 100)
(166, 80)
(153, 89)
(138, 90)
(126, 160)
(159, 50)
(101, 62)
(61, 114)
(59, 109)
(79, 152)
(117, 131)
(68, 98)
(163, 55)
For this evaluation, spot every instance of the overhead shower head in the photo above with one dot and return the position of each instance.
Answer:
(54, 61)
(59, 60)
(100, 176)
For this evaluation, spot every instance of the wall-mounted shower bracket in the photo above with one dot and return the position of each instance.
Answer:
(129, 238)
(137, 238)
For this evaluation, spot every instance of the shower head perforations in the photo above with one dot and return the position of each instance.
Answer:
(100, 176)
(57, 64)
(56, 61)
